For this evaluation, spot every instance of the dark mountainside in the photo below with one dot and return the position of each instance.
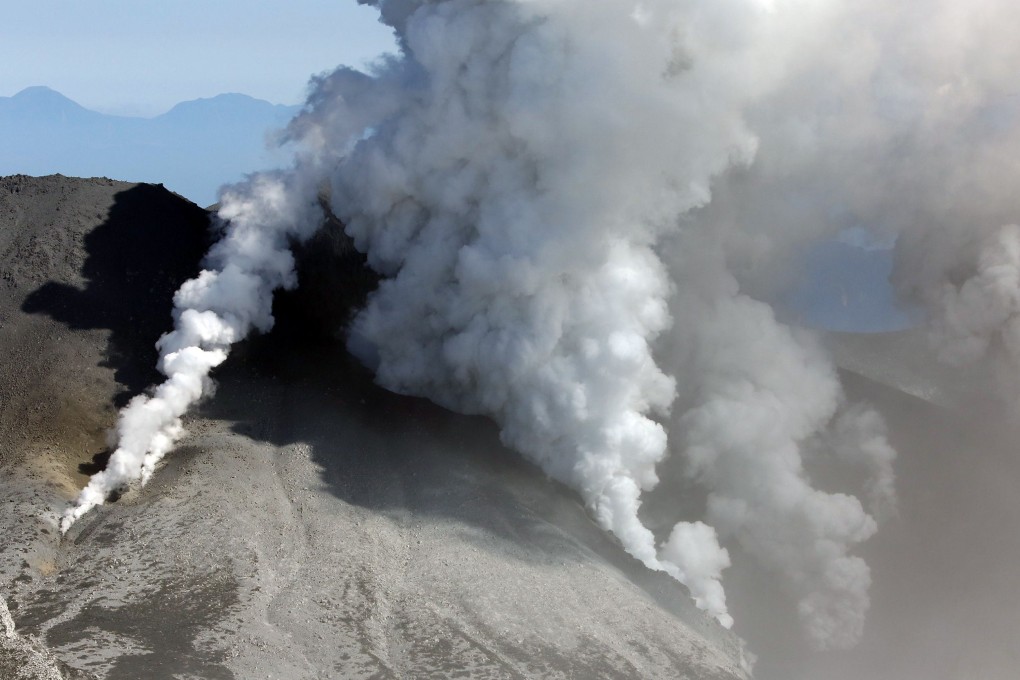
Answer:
(82, 306)
(311, 524)
(194, 148)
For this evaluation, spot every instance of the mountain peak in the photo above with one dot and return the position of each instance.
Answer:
(228, 101)
(42, 102)
(41, 93)
(195, 148)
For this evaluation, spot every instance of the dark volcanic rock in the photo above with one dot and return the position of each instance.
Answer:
(334, 281)
(88, 269)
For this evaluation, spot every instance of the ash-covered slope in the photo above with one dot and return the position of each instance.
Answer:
(87, 272)
(311, 525)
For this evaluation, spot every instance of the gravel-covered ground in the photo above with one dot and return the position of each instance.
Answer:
(310, 525)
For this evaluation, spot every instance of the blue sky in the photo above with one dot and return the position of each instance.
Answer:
(139, 57)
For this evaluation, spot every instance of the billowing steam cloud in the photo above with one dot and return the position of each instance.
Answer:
(580, 209)
(901, 119)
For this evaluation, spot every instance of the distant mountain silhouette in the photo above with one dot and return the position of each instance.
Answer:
(193, 149)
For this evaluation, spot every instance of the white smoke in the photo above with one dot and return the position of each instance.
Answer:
(975, 315)
(229, 299)
(579, 209)
(531, 160)
(899, 118)
(515, 198)
(755, 396)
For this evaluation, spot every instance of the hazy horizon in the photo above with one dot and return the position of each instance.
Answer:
(193, 148)
(113, 58)
(148, 116)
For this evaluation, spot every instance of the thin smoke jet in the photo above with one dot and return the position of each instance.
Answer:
(579, 210)
(231, 297)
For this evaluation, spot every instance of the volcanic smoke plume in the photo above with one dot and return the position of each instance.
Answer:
(580, 210)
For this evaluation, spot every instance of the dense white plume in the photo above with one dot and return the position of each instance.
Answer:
(580, 210)
(530, 185)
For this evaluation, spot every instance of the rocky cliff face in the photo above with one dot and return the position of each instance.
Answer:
(311, 525)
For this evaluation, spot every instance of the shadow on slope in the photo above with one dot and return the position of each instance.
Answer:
(149, 244)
